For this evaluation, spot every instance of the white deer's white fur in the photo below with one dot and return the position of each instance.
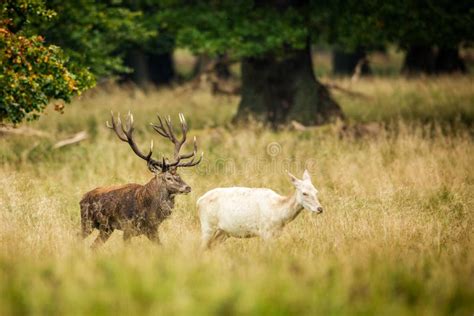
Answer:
(248, 212)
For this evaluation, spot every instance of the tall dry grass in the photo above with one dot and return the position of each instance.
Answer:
(396, 236)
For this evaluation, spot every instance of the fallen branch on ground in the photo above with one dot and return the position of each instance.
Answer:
(78, 137)
(298, 126)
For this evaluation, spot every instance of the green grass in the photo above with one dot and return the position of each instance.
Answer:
(396, 236)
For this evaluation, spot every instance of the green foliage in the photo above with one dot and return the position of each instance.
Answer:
(243, 29)
(155, 37)
(92, 33)
(254, 28)
(18, 14)
(370, 23)
(31, 71)
(442, 23)
(55, 50)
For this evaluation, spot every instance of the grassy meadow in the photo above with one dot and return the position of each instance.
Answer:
(396, 237)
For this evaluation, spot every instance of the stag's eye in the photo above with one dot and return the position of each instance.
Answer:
(305, 194)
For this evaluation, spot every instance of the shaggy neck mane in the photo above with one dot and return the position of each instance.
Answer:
(156, 189)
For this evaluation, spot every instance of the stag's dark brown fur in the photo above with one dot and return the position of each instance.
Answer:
(138, 209)
(133, 208)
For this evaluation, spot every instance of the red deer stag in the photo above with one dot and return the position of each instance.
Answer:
(133, 208)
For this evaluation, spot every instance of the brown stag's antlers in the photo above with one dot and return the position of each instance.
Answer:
(125, 134)
(167, 131)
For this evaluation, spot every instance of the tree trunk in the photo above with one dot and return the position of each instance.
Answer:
(222, 67)
(201, 64)
(419, 59)
(449, 61)
(218, 65)
(277, 90)
(149, 68)
(161, 68)
(138, 62)
(344, 63)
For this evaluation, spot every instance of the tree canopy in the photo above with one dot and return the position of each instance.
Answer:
(94, 33)
(243, 29)
(32, 71)
(56, 50)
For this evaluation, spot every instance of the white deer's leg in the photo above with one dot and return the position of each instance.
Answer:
(269, 241)
(206, 240)
(268, 236)
(219, 237)
(207, 234)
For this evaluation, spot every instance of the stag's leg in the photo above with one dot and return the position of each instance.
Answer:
(86, 226)
(127, 236)
(86, 222)
(154, 236)
(104, 234)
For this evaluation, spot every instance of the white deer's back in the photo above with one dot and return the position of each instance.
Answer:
(237, 210)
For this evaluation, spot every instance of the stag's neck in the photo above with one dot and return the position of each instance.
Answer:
(156, 189)
(289, 209)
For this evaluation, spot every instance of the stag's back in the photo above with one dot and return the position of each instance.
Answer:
(110, 193)
(109, 201)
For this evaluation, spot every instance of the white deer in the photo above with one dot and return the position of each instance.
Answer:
(250, 212)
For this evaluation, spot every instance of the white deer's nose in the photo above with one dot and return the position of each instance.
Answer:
(320, 209)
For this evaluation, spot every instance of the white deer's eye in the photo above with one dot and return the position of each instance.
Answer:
(305, 194)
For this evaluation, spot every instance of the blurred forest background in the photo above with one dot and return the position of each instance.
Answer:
(260, 50)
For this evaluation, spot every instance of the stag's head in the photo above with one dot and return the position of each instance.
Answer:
(173, 182)
(306, 193)
(164, 170)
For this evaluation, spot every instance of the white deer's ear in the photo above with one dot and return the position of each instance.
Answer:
(294, 179)
(306, 176)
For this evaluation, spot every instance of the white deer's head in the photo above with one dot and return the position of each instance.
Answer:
(306, 193)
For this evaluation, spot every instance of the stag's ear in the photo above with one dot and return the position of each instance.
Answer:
(294, 179)
(153, 167)
(306, 176)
